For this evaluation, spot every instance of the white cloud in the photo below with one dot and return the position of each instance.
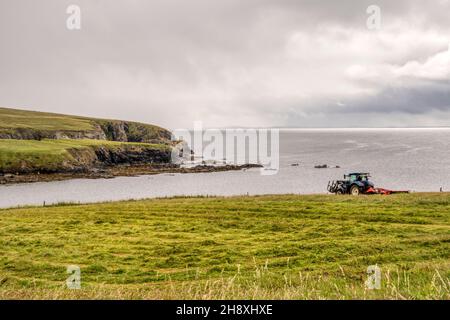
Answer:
(436, 67)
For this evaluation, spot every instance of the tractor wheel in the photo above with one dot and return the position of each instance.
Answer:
(354, 191)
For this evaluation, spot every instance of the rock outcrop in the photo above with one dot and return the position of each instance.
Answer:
(132, 155)
(31, 134)
(134, 132)
(104, 130)
(93, 158)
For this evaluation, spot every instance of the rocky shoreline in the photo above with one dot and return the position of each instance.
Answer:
(40, 147)
(108, 172)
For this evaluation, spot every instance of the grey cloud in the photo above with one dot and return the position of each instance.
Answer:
(173, 61)
(416, 100)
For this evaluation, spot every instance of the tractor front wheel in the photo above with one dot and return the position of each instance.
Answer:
(354, 190)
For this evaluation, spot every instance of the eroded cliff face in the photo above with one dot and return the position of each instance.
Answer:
(111, 130)
(132, 155)
(134, 132)
(116, 131)
(94, 157)
(31, 134)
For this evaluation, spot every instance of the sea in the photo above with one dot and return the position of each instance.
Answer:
(414, 159)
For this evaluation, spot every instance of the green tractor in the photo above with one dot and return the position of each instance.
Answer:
(353, 183)
(356, 184)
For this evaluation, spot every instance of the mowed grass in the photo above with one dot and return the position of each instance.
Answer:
(50, 154)
(263, 247)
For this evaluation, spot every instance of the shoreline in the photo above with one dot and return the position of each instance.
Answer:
(109, 172)
(226, 197)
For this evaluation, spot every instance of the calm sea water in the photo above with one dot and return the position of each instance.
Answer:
(411, 159)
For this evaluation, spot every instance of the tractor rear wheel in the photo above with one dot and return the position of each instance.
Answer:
(354, 190)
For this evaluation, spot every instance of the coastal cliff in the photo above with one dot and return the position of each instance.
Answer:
(39, 146)
(39, 142)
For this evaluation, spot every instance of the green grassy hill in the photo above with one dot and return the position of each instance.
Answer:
(23, 124)
(41, 121)
(264, 247)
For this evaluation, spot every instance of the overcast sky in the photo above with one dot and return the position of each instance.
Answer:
(230, 62)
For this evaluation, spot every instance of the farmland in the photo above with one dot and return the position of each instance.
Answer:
(261, 247)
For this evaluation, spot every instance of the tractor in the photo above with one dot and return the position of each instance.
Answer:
(356, 184)
(353, 183)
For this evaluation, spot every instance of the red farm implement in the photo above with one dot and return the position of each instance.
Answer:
(357, 183)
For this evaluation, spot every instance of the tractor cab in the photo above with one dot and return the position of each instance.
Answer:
(357, 176)
(353, 183)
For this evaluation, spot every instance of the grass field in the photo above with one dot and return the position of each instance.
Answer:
(14, 118)
(265, 247)
(52, 154)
